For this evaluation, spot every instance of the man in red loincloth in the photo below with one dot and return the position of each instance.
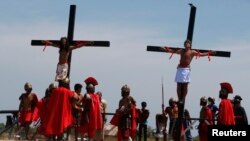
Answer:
(28, 102)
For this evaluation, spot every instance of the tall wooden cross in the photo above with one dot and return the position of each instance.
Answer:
(71, 36)
(189, 37)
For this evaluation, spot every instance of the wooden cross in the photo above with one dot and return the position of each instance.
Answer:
(189, 37)
(70, 38)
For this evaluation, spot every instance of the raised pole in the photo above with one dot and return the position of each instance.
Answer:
(191, 22)
(71, 27)
(181, 105)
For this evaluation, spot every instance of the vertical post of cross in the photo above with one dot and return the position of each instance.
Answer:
(191, 22)
(181, 106)
(71, 27)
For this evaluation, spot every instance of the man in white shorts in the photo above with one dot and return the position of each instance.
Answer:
(182, 77)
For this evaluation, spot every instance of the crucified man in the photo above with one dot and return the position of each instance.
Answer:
(64, 51)
(183, 69)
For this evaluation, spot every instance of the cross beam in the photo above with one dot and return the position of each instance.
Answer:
(217, 53)
(70, 37)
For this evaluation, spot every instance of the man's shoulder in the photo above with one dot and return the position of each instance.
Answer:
(34, 94)
(21, 96)
(104, 101)
(87, 96)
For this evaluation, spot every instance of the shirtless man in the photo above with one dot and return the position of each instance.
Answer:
(77, 110)
(206, 117)
(172, 112)
(183, 69)
(143, 121)
(65, 49)
(28, 102)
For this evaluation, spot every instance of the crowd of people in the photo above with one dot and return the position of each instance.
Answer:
(62, 109)
(227, 112)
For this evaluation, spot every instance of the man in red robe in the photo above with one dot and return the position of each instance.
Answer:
(39, 111)
(125, 117)
(58, 110)
(226, 113)
(91, 116)
(206, 117)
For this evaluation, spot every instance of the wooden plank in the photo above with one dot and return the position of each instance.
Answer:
(217, 54)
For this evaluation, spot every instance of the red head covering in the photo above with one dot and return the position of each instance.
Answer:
(227, 86)
(91, 80)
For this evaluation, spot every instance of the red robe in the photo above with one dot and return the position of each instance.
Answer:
(132, 131)
(133, 122)
(226, 113)
(115, 119)
(39, 113)
(205, 113)
(58, 112)
(94, 116)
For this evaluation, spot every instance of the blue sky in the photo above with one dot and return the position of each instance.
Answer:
(130, 26)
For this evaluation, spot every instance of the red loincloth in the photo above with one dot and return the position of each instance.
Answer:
(25, 117)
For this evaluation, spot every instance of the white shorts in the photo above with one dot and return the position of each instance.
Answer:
(182, 75)
(61, 71)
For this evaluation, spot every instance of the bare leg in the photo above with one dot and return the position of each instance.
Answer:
(27, 127)
(182, 89)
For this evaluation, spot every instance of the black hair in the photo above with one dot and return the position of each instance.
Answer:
(77, 86)
(143, 104)
(62, 46)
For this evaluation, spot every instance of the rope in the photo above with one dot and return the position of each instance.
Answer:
(208, 55)
(198, 55)
(168, 50)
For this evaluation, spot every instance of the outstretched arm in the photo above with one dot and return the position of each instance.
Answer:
(80, 44)
(49, 43)
(167, 49)
(197, 53)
